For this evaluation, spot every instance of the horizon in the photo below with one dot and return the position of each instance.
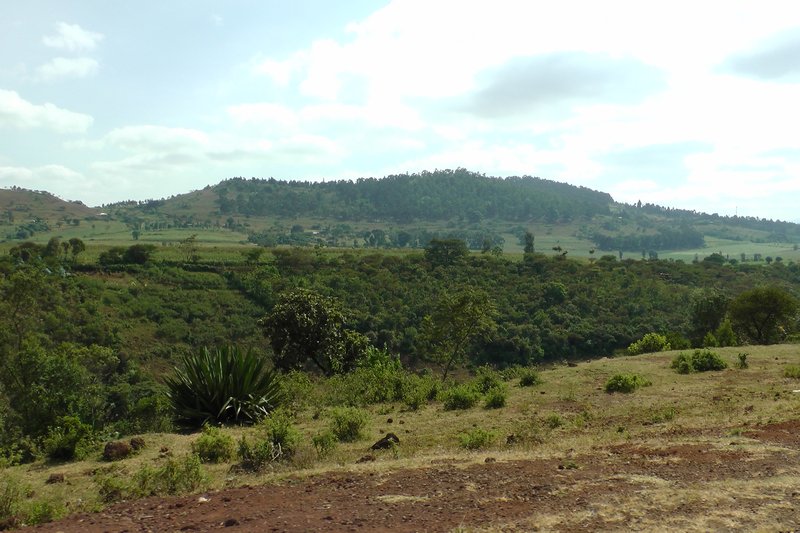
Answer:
(102, 103)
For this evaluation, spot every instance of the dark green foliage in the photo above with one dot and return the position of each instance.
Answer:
(213, 446)
(445, 252)
(625, 383)
(763, 315)
(650, 343)
(699, 361)
(458, 318)
(70, 439)
(306, 326)
(742, 362)
(225, 385)
(439, 195)
(460, 397)
(348, 423)
(486, 378)
(529, 377)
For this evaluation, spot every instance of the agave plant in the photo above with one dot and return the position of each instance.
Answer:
(223, 386)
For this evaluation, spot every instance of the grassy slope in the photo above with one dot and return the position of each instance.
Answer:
(713, 408)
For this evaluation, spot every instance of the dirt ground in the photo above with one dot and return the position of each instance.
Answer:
(747, 482)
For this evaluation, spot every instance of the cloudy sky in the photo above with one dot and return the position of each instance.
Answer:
(686, 104)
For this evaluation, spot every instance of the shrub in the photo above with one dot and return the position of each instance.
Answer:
(699, 361)
(255, 456)
(792, 371)
(710, 341)
(70, 439)
(652, 342)
(476, 438)
(725, 335)
(213, 446)
(742, 362)
(348, 423)
(11, 494)
(495, 398)
(279, 429)
(529, 377)
(222, 386)
(554, 421)
(626, 383)
(177, 476)
(486, 379)
(44, 511)
(324, 443)
(277, 439)
(460, 397)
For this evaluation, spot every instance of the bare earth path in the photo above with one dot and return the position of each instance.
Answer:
(750, 482)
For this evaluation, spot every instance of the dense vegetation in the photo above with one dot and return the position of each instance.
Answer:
(85, 345)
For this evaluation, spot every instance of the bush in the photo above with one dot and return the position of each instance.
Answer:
(792, 372)
(324, 443)
(460, 397)
(495, 398)
(255, 456)
(223, 386)
(529, 377)
(11, 494)
(475, 439)
(277, 439)
(742, 362)
(279, 429)
(348, 423)
(71, 439)
(652, 342)
(699, 361)
(554, 421)
(626, 383)
(213, 446)
(177, 476)
(486, 379)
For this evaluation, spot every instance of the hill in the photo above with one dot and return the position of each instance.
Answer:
(407, 211)
(25, 213)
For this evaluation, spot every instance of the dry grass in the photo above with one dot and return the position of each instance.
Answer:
(714, 408)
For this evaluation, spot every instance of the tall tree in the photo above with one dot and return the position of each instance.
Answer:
(763, 314)
(458, 318)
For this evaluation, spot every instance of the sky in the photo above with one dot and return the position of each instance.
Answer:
(686, 104)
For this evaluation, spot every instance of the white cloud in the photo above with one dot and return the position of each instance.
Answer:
(18, 113)
(156, 138)
(67, 67)
(57, 179)
(72, 37)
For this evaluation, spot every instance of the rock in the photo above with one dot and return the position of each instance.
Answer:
(366, 459)
(389, 420)
(386, 442)
(230, 522)
(490, 460)
(55, 478)
(137, 443)
(116, 450)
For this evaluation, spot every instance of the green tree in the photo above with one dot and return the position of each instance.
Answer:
(458, 318)
(763, 314)
(445, 252)
(77, 247)
(306, 326)
(707, 310)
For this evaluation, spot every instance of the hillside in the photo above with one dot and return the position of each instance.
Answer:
(407, 211)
